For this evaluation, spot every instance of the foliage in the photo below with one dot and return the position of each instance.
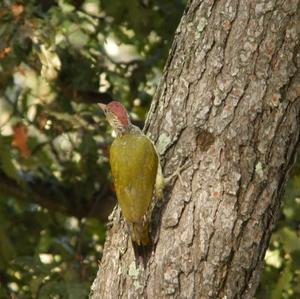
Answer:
(281, 275)
(57, 59)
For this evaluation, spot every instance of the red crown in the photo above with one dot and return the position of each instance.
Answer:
(119, 110)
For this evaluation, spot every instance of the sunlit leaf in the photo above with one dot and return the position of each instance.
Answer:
(17, 9)
(4, 52)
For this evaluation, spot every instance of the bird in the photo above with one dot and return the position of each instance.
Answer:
(136, 171)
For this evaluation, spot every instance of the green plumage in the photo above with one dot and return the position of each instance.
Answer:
(134, 163)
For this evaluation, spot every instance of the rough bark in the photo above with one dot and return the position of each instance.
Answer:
(229, 104)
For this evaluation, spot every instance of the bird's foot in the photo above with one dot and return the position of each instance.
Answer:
(177, 174)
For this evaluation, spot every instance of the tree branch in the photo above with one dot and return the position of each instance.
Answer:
(59, 199)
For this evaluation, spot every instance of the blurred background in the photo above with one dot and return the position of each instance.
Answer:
(57, 59)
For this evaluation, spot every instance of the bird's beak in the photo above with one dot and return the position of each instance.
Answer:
(102, 107)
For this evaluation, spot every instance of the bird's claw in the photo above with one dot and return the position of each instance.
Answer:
(177, 173)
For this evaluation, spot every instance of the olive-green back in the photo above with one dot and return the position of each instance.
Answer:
(134, 164)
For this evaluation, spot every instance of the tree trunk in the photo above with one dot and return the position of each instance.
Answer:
(228, 103)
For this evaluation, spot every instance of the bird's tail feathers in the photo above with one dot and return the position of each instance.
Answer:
(140, 233)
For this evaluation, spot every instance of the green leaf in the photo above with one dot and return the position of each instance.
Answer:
(288, 238)
(7, 249)
(6, 159)
(52, 289)
(283, 284)
(76, 290)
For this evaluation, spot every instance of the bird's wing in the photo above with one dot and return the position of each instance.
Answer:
(134, 164)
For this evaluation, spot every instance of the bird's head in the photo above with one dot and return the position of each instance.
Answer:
(117, 116)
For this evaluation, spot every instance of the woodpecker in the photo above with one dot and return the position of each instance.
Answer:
(136, 171)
